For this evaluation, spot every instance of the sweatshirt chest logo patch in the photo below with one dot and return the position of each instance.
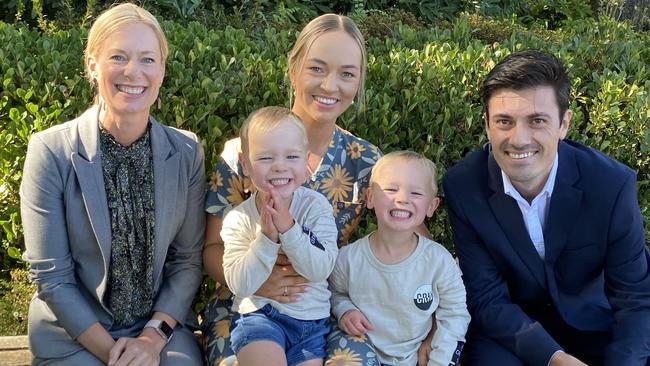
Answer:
(423, 297)
(313, 240)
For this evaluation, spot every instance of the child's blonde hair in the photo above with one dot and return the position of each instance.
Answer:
(264, 120)
(407, 156)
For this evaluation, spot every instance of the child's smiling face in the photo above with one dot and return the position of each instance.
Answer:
(401, 195)
(277, 158)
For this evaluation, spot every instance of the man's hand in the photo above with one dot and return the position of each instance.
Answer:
(142, 351)
(564, 359)
(283, 278)
(354, 323)
(279, 210)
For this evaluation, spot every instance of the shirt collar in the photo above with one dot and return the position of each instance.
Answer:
(547, 190)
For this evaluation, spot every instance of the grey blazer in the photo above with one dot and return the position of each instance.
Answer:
(67, 229)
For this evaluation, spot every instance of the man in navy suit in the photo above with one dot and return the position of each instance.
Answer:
(548, 232)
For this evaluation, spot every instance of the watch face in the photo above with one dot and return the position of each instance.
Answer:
(166, 329)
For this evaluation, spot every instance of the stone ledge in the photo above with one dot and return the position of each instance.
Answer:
(14, 351)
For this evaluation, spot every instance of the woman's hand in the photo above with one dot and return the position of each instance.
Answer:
(354, 323)
(141, 351)
(284, 284)
(97, 341)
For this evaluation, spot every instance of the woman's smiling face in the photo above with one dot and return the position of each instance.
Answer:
(328, 77)
(129, 69)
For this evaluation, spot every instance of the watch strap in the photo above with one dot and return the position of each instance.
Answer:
(161, 327)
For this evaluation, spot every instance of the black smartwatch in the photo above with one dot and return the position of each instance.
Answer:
(162, 328)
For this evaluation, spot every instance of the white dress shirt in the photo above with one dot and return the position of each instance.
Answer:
(534, 214)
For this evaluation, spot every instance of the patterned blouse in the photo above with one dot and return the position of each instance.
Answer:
(343, 177)
(128, 180)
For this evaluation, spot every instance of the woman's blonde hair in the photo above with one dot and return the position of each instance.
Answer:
(112, 20)
(323, 24)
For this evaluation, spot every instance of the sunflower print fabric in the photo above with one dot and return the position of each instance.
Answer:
(346, 350)
(343, 177)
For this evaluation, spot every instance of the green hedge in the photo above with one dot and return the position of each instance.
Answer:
(421, 91)
(43, 13)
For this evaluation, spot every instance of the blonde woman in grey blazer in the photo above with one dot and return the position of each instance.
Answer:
(112, 212)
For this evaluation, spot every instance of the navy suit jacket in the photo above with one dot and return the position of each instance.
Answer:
(595, 273)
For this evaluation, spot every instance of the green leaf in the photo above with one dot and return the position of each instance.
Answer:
(14, 253)
(32, 108)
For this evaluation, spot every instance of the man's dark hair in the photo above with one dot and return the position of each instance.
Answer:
(528, 69)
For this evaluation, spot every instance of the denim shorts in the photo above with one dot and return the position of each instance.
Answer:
(301, 340)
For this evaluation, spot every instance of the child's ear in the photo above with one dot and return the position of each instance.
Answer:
(433, 206)
(244, 164)
(369, 198)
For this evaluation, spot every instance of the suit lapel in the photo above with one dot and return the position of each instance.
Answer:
(166, 168)
(507, 213)
(565, 204)
(88, 167)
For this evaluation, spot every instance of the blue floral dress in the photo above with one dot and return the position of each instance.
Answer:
(343, 177)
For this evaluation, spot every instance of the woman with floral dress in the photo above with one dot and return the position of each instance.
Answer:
(327, 68)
